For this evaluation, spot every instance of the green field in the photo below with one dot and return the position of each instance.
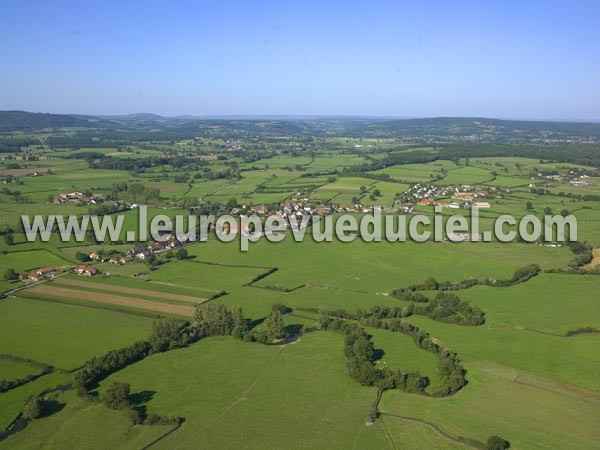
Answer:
(531, 410)
(64, 335)
(221, 407)
(14, 369)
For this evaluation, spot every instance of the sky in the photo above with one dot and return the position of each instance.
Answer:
(503, 59)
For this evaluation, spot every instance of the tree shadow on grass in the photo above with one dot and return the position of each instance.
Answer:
(251, 324)
(138, 402)
(378, 353)
(139, 398)
(293, 329)
(52, 407)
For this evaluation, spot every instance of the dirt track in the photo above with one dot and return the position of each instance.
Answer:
(45, 289)
(127, 290)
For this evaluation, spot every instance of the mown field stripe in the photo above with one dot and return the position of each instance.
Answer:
(128, 290)
(114, 299)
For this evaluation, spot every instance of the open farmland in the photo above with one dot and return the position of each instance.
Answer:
(63, 335)
(126, 290)
(264, 348)
(111, 299)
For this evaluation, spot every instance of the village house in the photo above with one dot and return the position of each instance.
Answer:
(259, 209)
(86, 271)
(321, 210)
(74, 194)
(141, 252)
(96, 257)
(482, 205)
(157, 247)
(468, 196)
(40, 274)
(463, 237)
(578, 183)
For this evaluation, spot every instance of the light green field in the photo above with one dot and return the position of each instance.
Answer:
(83, 425)
(401, 353)
(207, 277)
(530, 412)
(466, 175)
(379, 267)
(15, 370)
(29, 260)
(417, 172)
(573, 360)
(64, 335)
(11, 402)
(550, 303)
(223, 408)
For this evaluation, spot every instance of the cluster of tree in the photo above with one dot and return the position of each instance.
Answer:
(168, 334)
(99, 368)
(360, 360)
(582, 252)
(274, 328)
(218, 320)
(431, 284)
(116, 397)
(16, 195)
(361, 364)
(584, 330)
(226, 173)
(82, 256)
(10, 274)
(495, 442)
(137, 164)
(14, 144)
(447, 307)
(137, 193)
(582, 257)
(35, 407)
(444, 307)
(584, 154)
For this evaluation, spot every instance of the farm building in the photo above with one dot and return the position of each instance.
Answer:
(86, 271)
(40, 274)
(465, 196)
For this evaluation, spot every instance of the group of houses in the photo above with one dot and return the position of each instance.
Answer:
(300, 207)
(48, 273)
(431, 195)
(579, 182)
(78, 197)
(43, 273)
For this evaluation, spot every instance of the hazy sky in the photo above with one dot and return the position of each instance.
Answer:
(513, 59)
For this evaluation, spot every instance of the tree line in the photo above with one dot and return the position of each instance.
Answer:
(520, 275)
(360, 354)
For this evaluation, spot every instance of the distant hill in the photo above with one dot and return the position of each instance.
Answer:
(480, 129)
(138, 117)
(27, 121)
(444, 129)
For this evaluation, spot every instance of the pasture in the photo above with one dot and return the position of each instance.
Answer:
(63, 335)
